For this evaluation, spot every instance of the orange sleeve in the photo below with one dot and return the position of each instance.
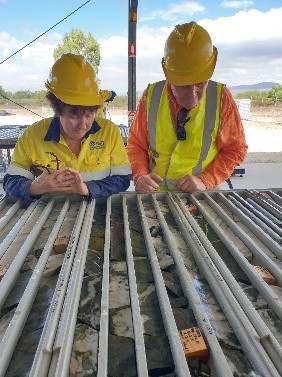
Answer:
(231, 144)
(137, 143)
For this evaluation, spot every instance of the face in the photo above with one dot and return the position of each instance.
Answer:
(75, 126)
(189, 96)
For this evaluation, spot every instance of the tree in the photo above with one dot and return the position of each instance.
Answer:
(39, 97)
(275, 94)
(22, 94)
(76, 42)
(3, 95)
(258, 97)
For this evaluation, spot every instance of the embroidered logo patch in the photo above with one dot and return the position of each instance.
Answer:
(96, 145)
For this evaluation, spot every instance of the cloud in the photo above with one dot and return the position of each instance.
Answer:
(249, 46)
(29, 68)
(246, 50)
(174, 11)
(114, 59)
(237, 4)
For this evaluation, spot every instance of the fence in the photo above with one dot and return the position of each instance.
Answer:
(244, 108)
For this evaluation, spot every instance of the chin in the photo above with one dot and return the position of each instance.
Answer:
(189, 105)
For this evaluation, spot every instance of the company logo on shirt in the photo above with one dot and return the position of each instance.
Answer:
(96, 145)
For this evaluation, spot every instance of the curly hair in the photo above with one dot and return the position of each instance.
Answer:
(58, 106)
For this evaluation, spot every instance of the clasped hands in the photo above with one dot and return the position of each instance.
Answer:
(151, 182)
(62, 180)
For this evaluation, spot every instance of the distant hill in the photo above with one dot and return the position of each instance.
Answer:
(259, 86)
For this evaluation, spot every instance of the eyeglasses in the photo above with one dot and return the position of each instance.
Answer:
(181, 121)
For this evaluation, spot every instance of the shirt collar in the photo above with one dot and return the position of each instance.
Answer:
(53, 133)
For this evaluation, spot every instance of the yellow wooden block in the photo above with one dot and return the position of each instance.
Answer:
(194, 344)
(266, 275)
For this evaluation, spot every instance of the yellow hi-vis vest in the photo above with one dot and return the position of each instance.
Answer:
(171, 158)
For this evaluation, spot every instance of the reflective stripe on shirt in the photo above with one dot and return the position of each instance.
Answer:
(16, 170)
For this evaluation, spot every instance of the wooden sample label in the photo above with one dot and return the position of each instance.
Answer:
(61, 244)
(266, 275)
(193, 343)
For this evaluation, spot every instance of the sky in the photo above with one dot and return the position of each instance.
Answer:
(247, 34)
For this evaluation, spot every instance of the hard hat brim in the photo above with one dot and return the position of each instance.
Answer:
(74, 98)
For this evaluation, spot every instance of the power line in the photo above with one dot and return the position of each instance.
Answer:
(20, 105)
(46, 31)
(31, 43)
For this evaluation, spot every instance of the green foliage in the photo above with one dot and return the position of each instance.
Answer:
(3, 94)
(119, 101)
(20, 94)
(257, 97)
(2, 91)
(28, 98)
(40, 97)
(252, 94)
(275, 94)
(76, 42)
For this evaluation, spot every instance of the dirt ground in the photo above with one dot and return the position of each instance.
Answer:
(264, 134)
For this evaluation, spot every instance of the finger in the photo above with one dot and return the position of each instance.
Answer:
(149, 187)
(142, 187)
(184, 186)
(156, 178)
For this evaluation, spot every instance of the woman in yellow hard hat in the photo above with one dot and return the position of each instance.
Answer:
(72, 152)
(187, 133)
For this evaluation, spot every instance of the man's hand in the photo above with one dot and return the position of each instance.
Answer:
(190, 183)
(147, 183)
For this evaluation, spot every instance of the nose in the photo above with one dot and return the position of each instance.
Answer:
(84, 120)
(191, 90)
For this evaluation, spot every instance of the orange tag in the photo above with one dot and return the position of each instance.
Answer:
(61, 244)
(266, 275)
(193, 343)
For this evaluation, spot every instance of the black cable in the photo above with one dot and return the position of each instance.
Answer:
(32, 42)
(46, 31)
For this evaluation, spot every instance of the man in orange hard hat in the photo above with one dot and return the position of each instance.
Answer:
(187, 134)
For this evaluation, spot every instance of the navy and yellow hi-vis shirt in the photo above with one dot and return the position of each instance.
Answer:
(102, 161)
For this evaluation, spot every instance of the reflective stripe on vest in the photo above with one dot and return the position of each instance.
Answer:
(86, 176)
(158, 107)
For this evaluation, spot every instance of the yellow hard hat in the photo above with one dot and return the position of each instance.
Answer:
(73, 80)
(107, 95)
(189, 56)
